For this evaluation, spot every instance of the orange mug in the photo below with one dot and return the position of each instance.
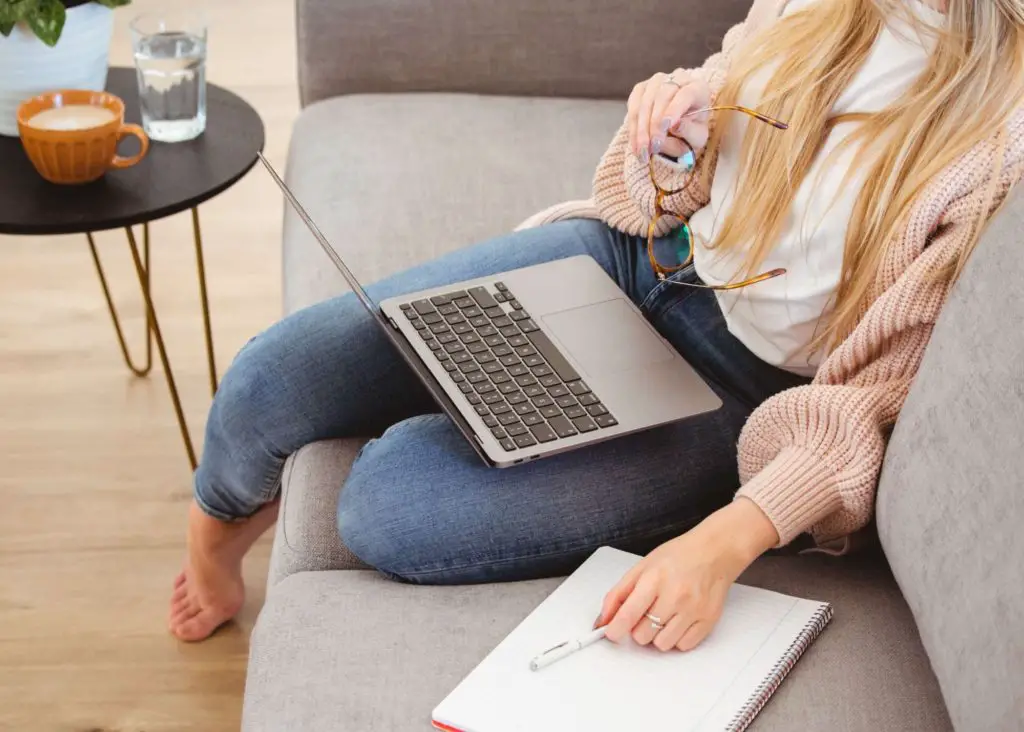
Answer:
(71, 136)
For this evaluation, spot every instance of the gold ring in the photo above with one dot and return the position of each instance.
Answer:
(655, 621)
(673, 82)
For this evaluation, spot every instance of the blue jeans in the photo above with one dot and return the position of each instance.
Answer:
(419, 505)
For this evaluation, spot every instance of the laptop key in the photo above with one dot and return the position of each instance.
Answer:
(425, 334)
(525, 440)
(502, 321)
(533, 390)
(420, 325)
(440, 328)
(501, 349)
(479, 321)
(473, 399)
(456, 348)
(587, 399)
(515, 397)
(509, 331)
(542, 343)
(453, 296)
(578, 387)
(532, 418)
(462, 327)
(493, 398)
(534, 360)
(447, 310)
(508, 388)
(499, 409)
(549, 380)
(482, 296)
(528, 326)
(482, 410)
(518, 340)
(543, 401)
(453, 319)
(475, 377)
(519, 315)
(567, 401)
(469, 337)
(500, 378)
(575, 412)
(518, 370)
(551, 411)
(473, 312)
(492, 368)
(524, 408)
(485, 358)
(605, 420)
(525, 351)
(423, 307)
(490, 332)
(411, 314)
(542, 432)
(516, 429)
(431, 318)
(457, 378)
(558, 390)
(542, 370)
(510, 360)
(442, 356)
(584, 423)
(495, 311)
(596, 410)
(439, 300)
(447, 338)
(450, 366)
(495, 429)
(463, 302)
(469, 366)
(500, 287)
(527, 380)
(465, 388)
(406, 306)
(485, 387)
(507, 445)
(434, 346)
(516, 304)
(562, 426)
(508, 418)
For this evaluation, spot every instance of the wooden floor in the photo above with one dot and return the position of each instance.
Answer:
(93, 477)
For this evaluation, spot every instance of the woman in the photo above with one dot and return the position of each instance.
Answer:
(904, 135)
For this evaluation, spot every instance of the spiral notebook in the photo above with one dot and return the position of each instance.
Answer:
(721, 685)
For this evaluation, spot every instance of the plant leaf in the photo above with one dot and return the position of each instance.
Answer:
(47, 21)
(113, 3)
(6, 26)
(11, 11)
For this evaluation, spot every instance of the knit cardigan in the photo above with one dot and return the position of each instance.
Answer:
(810, 456)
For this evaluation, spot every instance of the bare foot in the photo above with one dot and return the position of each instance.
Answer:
(209, 591)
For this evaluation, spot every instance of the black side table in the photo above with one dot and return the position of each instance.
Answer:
(170, 179)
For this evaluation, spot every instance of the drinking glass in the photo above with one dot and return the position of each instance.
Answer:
(170, 62)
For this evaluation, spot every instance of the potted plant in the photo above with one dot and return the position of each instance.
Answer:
(51, 44)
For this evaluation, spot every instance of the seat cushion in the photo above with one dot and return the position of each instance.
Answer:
(393, 180)
(951, 501)
(352, 651)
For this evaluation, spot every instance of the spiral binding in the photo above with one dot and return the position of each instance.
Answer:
(780, 670)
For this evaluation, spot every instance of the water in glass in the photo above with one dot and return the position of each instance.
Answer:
(171, 67)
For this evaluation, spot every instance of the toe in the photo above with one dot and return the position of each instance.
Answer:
(179, 594)
(179, 581)
(200, 626)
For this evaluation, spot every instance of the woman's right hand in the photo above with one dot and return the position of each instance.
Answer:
(658, 105)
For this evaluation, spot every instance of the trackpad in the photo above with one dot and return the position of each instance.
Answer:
(607, 337)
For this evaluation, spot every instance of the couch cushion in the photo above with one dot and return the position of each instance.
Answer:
(306, 536)
(393, 180)
(351, 651)
(951, 499)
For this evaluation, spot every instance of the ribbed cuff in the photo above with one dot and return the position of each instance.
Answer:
(795, 491)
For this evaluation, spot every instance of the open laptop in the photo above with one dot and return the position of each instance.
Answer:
(535, 361)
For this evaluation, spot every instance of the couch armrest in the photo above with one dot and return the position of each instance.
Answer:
(567, 48)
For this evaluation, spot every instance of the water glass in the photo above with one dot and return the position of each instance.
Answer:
(170, 62)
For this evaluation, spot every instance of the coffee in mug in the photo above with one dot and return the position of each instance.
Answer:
(71, 136)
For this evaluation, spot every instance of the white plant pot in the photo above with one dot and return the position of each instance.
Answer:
(79, 60)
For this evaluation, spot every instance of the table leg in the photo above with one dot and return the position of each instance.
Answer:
(138, 371)
(201, 271)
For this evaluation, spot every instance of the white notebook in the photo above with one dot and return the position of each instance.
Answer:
(721, 685)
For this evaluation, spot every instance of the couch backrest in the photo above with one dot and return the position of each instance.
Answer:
(570, 48)
(951, 498)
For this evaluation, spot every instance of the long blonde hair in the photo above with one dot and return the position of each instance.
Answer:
(971, 87)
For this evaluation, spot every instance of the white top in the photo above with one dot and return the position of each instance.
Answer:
(777, 319)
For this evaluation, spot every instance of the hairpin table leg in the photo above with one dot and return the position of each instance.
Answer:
(201, 272)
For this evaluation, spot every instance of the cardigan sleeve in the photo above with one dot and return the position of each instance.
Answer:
(810, 456)
(622, 190)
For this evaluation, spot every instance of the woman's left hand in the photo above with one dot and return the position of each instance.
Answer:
(684, 582)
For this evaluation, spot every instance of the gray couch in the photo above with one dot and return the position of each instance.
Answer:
(428, 126)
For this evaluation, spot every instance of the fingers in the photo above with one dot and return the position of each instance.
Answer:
(694, 635)
(643, 131)
(633, 609)
(617, 595)
(632, 109)
(664, 114)
(667, 639)
(645, 631)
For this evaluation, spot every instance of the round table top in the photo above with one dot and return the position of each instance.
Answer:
(173, 177)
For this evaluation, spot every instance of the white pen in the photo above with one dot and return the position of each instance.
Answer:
(569, 647)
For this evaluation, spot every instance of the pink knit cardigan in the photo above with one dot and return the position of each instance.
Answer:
(810, 456)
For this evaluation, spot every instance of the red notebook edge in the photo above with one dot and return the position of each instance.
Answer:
(444, 727)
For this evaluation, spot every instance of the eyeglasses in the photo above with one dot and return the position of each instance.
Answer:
(683, 236)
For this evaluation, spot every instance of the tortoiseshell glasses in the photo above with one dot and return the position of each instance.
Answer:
(681, 243)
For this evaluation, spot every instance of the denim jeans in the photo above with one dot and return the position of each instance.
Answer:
(419, 505)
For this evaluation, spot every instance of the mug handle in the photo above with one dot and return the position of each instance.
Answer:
(122, 162)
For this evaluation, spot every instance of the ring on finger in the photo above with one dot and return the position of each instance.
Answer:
(672, 80)
(655, 621)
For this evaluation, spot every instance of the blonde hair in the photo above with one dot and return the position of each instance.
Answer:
(971, 87)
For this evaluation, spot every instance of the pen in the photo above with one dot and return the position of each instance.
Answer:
(569, 647)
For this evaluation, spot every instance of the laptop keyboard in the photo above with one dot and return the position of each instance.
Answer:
(507, 368)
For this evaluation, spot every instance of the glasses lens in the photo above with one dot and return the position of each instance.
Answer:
(673, 251)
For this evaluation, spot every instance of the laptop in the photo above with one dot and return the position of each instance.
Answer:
(536, 361)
